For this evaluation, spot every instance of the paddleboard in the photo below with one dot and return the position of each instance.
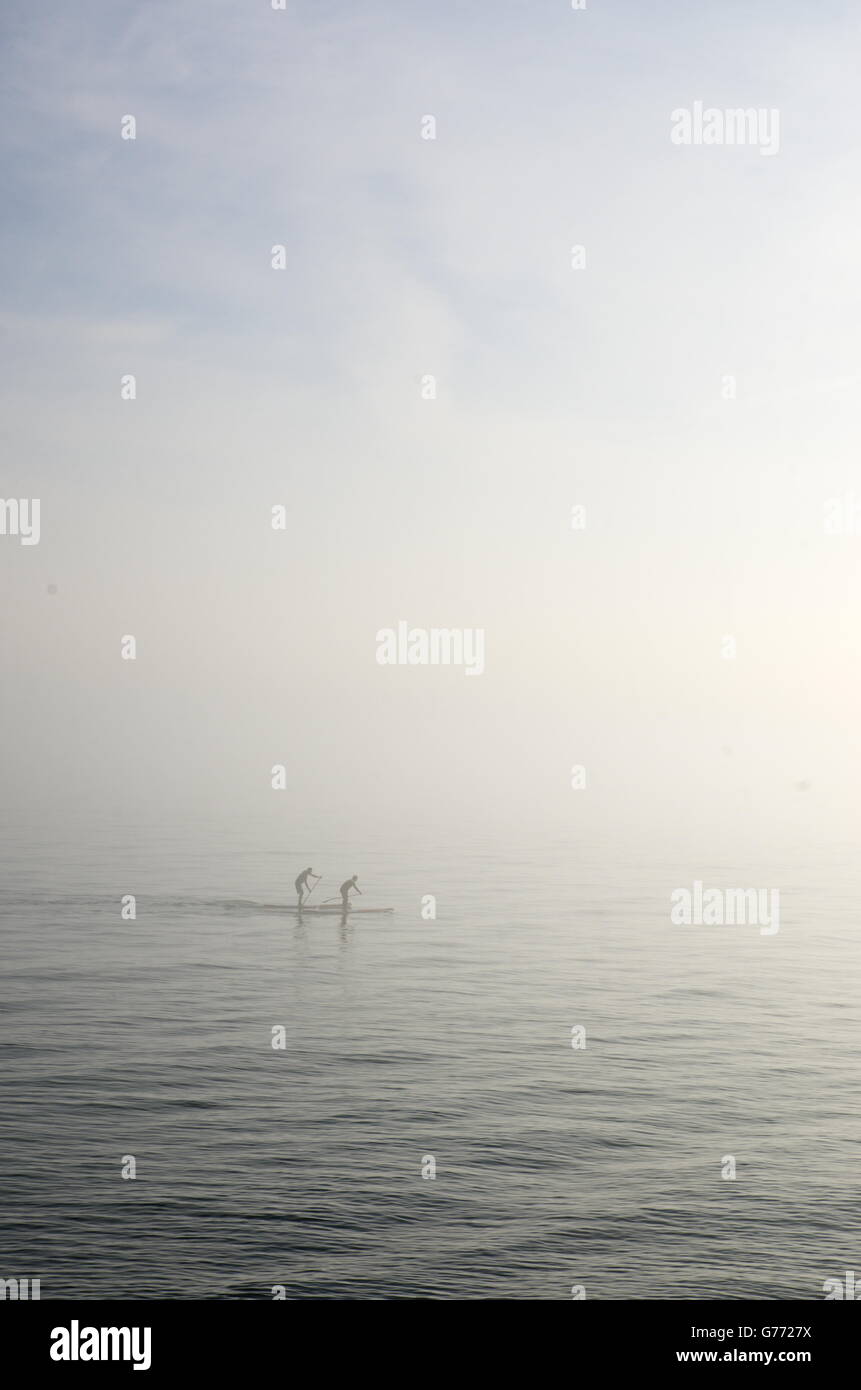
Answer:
(317, 909)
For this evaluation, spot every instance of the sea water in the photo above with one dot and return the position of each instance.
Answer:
(524, 1082)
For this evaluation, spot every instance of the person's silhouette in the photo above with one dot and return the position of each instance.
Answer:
(301, 883)
(345, 890)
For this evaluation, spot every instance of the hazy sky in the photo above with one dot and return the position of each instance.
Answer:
(602, 386)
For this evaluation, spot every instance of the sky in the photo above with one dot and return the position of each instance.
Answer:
(604, 387)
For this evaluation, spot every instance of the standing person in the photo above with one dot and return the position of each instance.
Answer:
(345, 891)
(301, 883)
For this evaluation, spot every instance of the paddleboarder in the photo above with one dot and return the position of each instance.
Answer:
(345, 891)
(301, 883)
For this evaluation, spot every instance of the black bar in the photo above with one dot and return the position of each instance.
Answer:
(223, 1338)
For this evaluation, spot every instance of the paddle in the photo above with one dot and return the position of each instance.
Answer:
(313, 886)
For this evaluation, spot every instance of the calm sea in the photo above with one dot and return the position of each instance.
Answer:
(409, 1040)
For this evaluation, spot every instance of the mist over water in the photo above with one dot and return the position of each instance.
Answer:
(406, 1038)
